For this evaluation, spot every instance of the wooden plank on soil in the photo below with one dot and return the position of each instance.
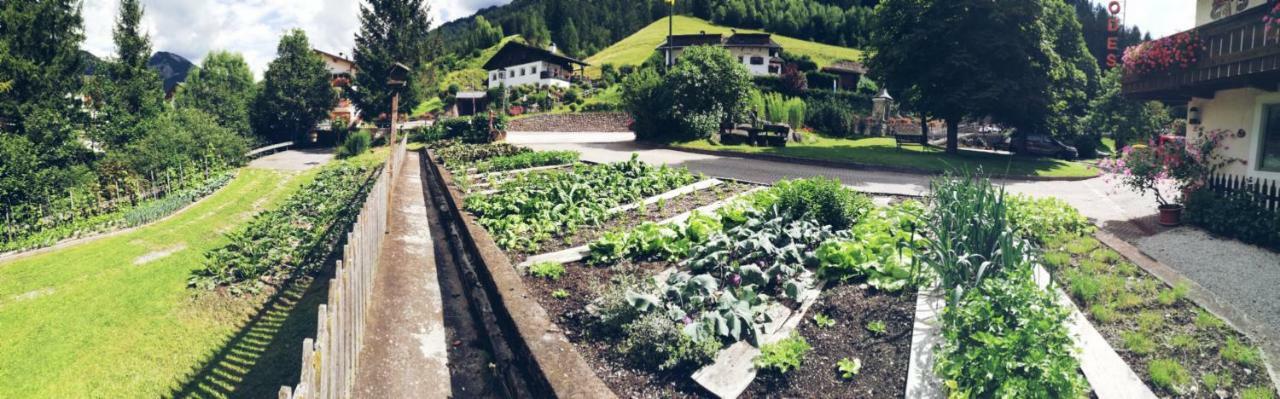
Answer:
(922, 383)
(1107, 372)
(579, 253)
(734, 367)
(702, 185)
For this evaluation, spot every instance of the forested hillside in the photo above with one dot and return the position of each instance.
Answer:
(583, 27)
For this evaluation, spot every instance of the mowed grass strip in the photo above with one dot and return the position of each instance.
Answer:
(639, 46)
(114, 317)
(882, 151)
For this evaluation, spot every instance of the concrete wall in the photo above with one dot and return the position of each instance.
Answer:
(1233, 110)
(526, 74)
(744, 55)
(1205, 12)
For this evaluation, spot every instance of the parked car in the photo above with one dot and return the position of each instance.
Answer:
(1039, 145)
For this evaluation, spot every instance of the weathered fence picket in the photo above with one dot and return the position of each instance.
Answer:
(329, 361)
(1264, 192)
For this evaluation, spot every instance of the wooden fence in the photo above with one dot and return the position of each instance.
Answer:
(1266, 192)
(329, 360)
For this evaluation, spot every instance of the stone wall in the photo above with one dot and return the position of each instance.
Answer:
(580, 122)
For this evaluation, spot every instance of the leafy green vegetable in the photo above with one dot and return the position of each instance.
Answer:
(823, 320)
(849, 368)
(547, 270)
(784, 355)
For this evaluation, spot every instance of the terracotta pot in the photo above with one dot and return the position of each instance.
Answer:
(1171, 215)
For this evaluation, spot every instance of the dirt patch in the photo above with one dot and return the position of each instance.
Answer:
(885, 356)
(651, 213)
(157, 255)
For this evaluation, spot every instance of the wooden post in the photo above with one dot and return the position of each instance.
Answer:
(391, 178)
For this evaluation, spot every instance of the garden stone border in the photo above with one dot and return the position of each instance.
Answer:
(856, 165)
(542, 346)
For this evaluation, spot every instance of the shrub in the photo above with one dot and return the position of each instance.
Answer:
(822, 199)
(655, 341)
(705, 87)
(355, 144)
(547, 270)
(1168, 374)
(831, 117)
(784, 355)
(1236, 215)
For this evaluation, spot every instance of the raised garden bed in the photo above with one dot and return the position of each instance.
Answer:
(1175, 346)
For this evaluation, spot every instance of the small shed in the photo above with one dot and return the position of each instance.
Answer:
(471, 102)
(848, 73)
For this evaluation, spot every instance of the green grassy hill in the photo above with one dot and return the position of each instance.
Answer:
(636, 48)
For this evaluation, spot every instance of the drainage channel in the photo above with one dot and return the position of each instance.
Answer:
(481, 362)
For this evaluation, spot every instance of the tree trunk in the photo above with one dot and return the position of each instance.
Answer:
(953, 136)
(924, 129)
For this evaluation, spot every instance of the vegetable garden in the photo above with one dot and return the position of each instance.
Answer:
(670, 284)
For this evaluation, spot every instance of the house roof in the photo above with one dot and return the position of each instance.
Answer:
(471, 95)
(337, 58)
(751, 40)
(517, 53)
(679, 41)
(846, 67)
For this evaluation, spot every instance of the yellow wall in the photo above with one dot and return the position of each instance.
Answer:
(1206, 14)
(1233, 110)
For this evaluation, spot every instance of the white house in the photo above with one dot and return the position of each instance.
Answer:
(518, 64)
(755, 51)
(342, 71)
(1233, 87)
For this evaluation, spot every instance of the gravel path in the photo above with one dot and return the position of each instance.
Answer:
(1244, 275)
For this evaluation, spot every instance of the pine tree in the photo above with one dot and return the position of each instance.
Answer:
(391, 31)
(40, 61)
(296, 92)
(223, 87)
(126, 92)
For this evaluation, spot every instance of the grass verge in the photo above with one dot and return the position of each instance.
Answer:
(881, 151)
(114, 317)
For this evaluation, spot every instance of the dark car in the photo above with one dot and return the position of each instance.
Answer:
(1040, 145)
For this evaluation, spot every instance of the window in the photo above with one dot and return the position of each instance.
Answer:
(1269, 158)
(757, 60)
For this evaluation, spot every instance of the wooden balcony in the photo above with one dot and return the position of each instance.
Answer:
(1238, 53)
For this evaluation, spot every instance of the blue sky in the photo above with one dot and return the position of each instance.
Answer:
(252, 27)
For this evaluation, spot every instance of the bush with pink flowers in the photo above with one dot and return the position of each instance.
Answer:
(1272, 21)
(1177, 163)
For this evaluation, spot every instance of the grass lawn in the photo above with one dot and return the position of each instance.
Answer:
(114, 317)
(639, 46)
(881, 151)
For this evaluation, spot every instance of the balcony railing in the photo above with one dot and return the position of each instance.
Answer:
(1238, 53)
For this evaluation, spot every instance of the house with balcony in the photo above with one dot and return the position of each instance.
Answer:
(517, 64)
(1226, 72)
(342, 72)
(755, 51)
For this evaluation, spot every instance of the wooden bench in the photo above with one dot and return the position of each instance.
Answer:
(909, 139)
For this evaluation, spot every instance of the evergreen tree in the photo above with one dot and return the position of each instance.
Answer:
(391, 31)
(296, 92)
(222, 87)
(126, 92)
(40, 77)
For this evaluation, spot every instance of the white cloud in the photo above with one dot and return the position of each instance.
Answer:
(1160, 17)
(191, 28)
(447, 10)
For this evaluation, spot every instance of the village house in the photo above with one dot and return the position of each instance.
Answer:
(847, 73)
(755, 51)
(1231, 87)
(518, 64)
(342, 71)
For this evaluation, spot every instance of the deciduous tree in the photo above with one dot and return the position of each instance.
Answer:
(222, 87)
(295, 94)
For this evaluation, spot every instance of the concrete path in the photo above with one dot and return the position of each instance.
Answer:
(294, 160)
(1234, 272)
(405, 351)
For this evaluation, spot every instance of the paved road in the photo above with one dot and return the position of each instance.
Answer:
(294, 160)
(1242, 276)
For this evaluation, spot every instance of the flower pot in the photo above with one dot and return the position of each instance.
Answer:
(1171, 215)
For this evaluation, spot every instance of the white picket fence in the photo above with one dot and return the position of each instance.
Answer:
(329, 360)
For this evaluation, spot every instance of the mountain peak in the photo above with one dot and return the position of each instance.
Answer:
(171, 67)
